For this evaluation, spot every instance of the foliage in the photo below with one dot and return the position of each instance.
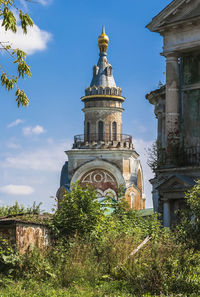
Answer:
(20, 209)
(76, 267)
(78, 213)
(97, 260)
(9, 258)
(154, 156)
(8, 13)
(188, 230)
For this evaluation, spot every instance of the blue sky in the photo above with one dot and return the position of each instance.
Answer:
(62, 49)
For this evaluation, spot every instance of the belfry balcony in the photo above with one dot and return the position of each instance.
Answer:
(184, 157)
(102, 140)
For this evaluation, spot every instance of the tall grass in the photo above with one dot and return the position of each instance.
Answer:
(161, 268)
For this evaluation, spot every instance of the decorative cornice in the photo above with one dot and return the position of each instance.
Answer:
(100, 151)
(103, 97)
(161, 21)
(154, 96)
(110, 109)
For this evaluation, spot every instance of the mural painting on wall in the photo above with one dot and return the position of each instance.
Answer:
(102, 180)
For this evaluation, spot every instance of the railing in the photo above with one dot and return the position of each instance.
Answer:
(182, 157)
(103, 91)
(102, 137)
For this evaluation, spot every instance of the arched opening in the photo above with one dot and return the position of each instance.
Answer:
(99, 193)
(132, 202)
(100, 130)
(114, 131)
(88, 132)
(110, 193)
(109, 70)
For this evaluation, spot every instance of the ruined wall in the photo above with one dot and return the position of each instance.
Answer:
(24, 235)
(8, 232)
(31, 235)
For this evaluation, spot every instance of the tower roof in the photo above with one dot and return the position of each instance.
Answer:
(102, 72)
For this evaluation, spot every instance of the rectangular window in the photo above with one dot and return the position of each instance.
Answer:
(190, 69)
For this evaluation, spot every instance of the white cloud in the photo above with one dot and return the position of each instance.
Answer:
(38, 130)
(33, 130)
(45, 2)
(48, 159)
(35, 40)
(42, 2)
(16, 190)
(15, 123)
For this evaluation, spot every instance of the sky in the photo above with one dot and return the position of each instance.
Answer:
(61, 50)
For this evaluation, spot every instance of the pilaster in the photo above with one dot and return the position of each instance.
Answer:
(166, 213)
(172, 101)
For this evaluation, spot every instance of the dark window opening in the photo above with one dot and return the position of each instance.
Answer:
(100, 130)
(88, 132)
(114, 131)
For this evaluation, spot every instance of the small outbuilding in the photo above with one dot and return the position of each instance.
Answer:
(24, 231)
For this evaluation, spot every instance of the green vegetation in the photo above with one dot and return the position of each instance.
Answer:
(17, 209)
(94, 258)
(8, 14)
(79, 213)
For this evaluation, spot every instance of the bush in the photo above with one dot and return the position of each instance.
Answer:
(79, 212)
(188, 231)
(92, 254)
(9, 258)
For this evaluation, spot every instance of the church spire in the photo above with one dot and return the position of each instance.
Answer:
(103, 41)
(102, 72)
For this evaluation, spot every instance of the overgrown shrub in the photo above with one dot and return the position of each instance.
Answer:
(79, 212)
(94, 258)
(36, 264)
(9, 258)
(188, 231)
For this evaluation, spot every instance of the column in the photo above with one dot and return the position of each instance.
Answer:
(159, 128)
(163, 130)
(172, 101)
(166, 214)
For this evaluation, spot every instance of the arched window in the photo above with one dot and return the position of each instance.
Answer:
(109, 70)
(88, 131)
(110, 193)
(114, 131)
(132, 194)
(100, 130)
(95, 70)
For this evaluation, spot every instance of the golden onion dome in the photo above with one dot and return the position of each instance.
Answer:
(103, 41)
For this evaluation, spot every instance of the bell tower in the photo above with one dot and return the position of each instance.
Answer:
(103, 156)
(103, 105)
